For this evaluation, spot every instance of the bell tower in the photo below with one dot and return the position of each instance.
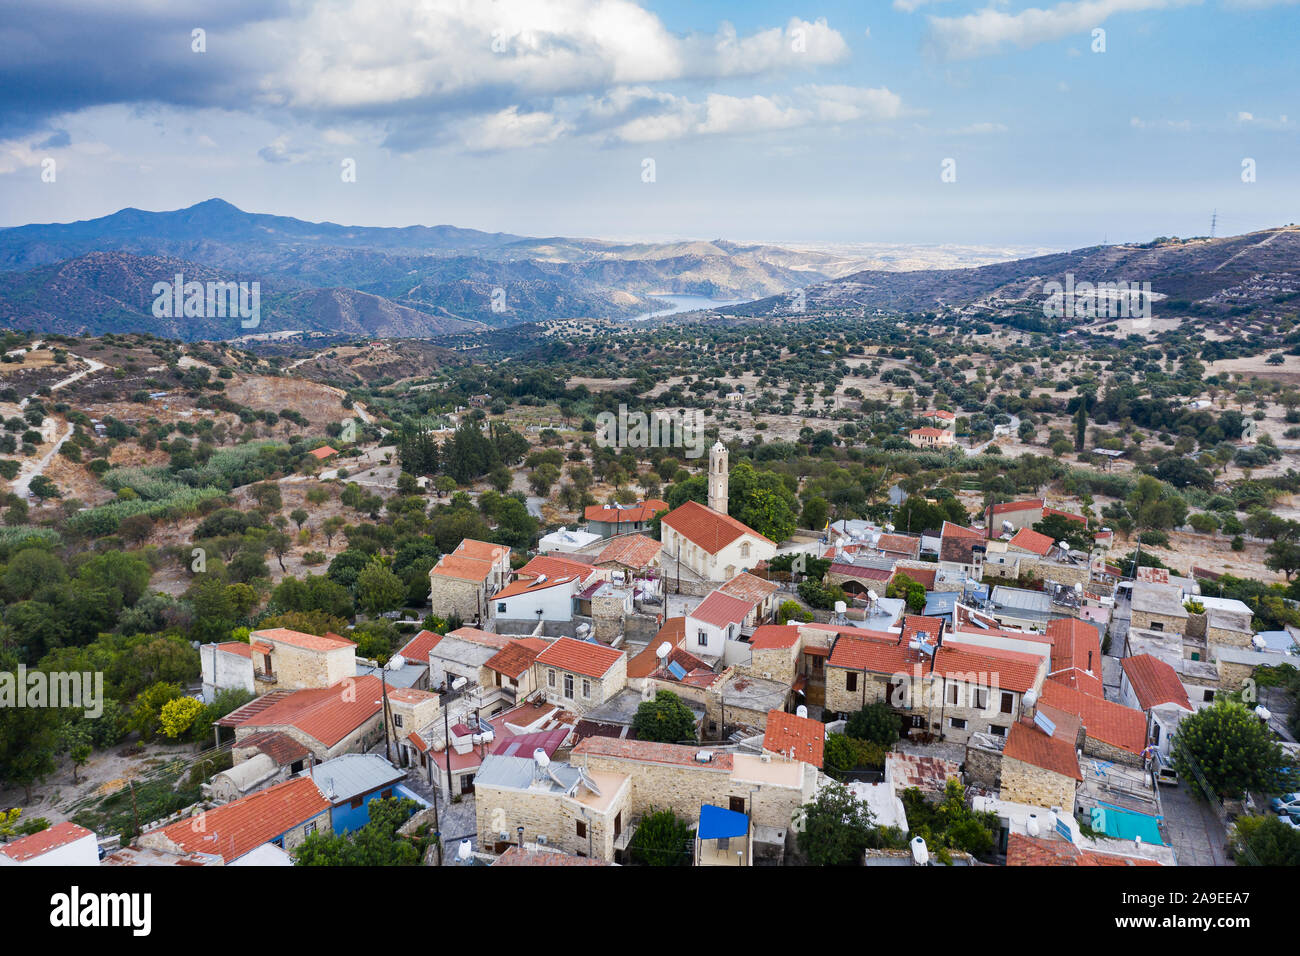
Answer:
(718, 477)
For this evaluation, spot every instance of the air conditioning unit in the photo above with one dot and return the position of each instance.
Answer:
(541, 839)
(503, 837)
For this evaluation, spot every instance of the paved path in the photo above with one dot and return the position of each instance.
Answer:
(1191, 826)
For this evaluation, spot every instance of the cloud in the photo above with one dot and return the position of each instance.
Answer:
(510, 129)
(1179, 126)
(991, 31)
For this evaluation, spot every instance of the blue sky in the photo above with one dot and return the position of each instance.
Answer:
(764, 120)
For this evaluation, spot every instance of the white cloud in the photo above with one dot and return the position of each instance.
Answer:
(990, 30)
(511, 129)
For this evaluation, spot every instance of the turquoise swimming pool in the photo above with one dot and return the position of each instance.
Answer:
(1126, 824)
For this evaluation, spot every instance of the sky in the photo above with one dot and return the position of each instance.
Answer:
(992, 122)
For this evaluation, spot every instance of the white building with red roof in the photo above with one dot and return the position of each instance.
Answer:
(713, 545)
(1154, 687)
(64, 844)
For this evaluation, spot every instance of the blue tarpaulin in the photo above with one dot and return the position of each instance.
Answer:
(717, 823)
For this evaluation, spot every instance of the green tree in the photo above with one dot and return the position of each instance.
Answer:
(375, 844)
(1265, 841)
(146, 712)
(876, 722)
(662, 839)
(177, 716)
(379, 589)
(837, 827)
(1226, 746)
(664, 720)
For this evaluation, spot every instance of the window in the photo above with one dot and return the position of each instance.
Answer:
(1209, 695)
(1157, 625)
(397, 720)
(582, 829)
(568, 686)
(550, 678)
(702, 638)
(309, 829)
(586, 688)
(356, 802)
(957, 723)
(850, 681)
(387, 794)
(952, 693)
(979, 698)
(1008, 702)
(997, 731)
(736, 804)
(744, 550)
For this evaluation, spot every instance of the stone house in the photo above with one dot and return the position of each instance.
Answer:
(1158, 607)
(328, 722)
(461, 586)
(1040, 764)
(570, 807)
(712, 544)
(580, 675)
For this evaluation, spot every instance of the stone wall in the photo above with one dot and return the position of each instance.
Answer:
(448, 596)
(983, 767)
(1025, 783)
(607, 615)
(546, 813)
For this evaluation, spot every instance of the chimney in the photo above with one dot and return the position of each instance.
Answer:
(1089, 662)
(520, 831)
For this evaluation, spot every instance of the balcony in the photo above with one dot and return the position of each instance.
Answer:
(265, 677)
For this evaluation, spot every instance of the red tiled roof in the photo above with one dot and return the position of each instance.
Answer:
(476, 636)
(327, 714)
(323, 452)
(1027, 539)
(526, 585)
(523, 745)
(950, 530)
(580, 657)
(646, 662)
(281, 748)
(236, 828)
(236, 647)
(516, 657)
(1025, 850)
(1008, 507)
(1104, 720)
(1028, 743)
(43, 841)
(462, 568)
(650, 752)
(553, 566)
(643, 511)
(418, 647)
(915, 624)
(1009, 670)
(774, 635)
(1065, 514)
(799, 738)
(928, 432)
(481, 550)
(1076, 655)
(311, 642)
(1155, 682)
(632, 551)
(922, 576)
(749, 587)
(709, 529)
(719, 609)
(898, 543)
(861, 571)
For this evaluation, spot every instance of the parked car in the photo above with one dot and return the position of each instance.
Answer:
(1287, 803)
(1290, 820)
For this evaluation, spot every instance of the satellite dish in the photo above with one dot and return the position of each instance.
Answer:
(663, 650)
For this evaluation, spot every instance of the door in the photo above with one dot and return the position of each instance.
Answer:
(737, 804)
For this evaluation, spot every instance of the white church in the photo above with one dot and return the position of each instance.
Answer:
(707, 540)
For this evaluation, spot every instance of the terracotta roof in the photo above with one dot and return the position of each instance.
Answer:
(1027, 539)
(774, 635)
(418, 647)
(526, 585)
(928, 432)
(695, 671)
(719, 610)
(411, 695)
(516, 657)
(523, 745)
(1076, 650)
(481, 550)
(476, 636)
(642, 511)
(709, 529)
(1008, 507)
(1065, 514)
(950, 530)
(462, 568)
(282, 635)
(645, 662)
(1155, 682)
(42, 842)
(1030, 744)
(1025, 850)
(517, 857)
(898, 543)
(799, 738)
(553, 566)
(923, 576)
(1104, 720)
(236, 647)
(281, 748)
(632, 551)
(676, 754)
(1009, 670)
(861, 571)
(915, 624)
(327, 714)
(236, 828)
(580, 657)
(960, 549)
(323, 452)
(749, 587)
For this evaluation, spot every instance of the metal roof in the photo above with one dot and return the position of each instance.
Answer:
(352, 775)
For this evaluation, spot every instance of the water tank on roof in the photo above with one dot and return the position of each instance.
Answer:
(1031, 825)
(840, 607)
(541, 759)
(663, 650)
(801, 711)
(920, 854)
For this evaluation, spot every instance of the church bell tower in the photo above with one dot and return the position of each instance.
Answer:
(718, 477)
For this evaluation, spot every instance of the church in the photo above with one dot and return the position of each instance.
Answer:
(707, 540)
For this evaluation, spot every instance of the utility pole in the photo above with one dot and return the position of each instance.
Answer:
(388, 715)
